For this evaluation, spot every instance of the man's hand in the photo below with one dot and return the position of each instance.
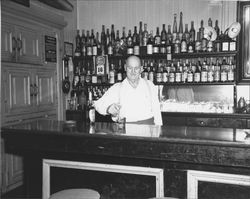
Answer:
(114, 109)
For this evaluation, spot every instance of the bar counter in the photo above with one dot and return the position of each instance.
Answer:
(174, 148)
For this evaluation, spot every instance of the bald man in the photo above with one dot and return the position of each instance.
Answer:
(134, 98)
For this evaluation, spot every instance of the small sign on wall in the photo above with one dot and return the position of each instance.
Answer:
(50, 49)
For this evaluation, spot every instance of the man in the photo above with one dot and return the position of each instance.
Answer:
(134, 98)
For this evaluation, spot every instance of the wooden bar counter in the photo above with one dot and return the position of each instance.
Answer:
(176, 149)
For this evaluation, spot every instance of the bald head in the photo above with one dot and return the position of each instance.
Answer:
(133, 68)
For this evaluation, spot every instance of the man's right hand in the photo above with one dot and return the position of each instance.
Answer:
(114, 109)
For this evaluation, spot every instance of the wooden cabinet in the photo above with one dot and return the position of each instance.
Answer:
(21, 44)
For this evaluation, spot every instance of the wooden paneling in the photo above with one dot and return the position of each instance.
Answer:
(128, 13)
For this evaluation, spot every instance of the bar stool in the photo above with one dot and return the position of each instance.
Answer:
(76, 194)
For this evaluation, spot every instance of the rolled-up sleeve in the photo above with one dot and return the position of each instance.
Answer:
(110, 97)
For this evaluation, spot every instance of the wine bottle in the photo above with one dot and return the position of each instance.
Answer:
(183, 44)
(140, 34)
(150, 44)
(112, 34)
(174, 28)
(145, 35)
(157, 42)
(130, 48)
(83, 42)
(180, 26)
(136, 42)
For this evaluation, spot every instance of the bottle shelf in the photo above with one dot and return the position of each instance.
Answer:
(169, 56)
(193, 83)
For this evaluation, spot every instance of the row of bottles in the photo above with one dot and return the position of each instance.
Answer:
(144, 42)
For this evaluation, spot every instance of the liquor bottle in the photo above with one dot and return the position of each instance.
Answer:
(92, 37)
(94, 46)
(151, 72)
(216, 28)
(163, 39)
(83, 42)
(78, 38)
(217, 71)
(165, 74)
(190, 75)
(99, 46)
(184, 72)
(197, 73)
(157, 38)
(169, 44)
(180, 26)
(178, 73)
(105, 47)
(123, 38)
(112, 34)
(210, 22)
(66, 82)
(183, 44)
(172, 73)
(145, 71)
(145, 35)
(88, 44)
(136, 42)
(177, 44)
(88, 75)
(140, 34)
(203, 39)
(204, 72)
(119, 72)
(103, 39)
(192, 32)
(110, 46)
(130, 48)
(217, 43)
(224, 70)
(230, 72)
(117, 43)
(159, 73)
(112, 74)
(174, 28)
(186, 33)
(91, 108)
(210, 72)
(157, 42)
(150, 44)
(78, 44)
(198, 43)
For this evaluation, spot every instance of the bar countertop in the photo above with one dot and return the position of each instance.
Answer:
(222, 146)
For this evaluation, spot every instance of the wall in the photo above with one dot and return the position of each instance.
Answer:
(128, 13)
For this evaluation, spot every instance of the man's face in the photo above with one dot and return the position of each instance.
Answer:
(133, 69)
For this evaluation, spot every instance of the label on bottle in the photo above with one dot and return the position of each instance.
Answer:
(156, 49)
(151, 76)
(89, 50)
(94, 50)
(163, 49)
(169, 49)
(197, 46)
(178, 76)
(183, 47)
(171, 77)
(177, 48)
(136, 50)
(94, 79)
(149, 49)
(165, 77)
(130, 51)
(119, 77)
(92, 115)
(217, 76)
(197, 77)
(110, 50)
(190, 77)
(111, 77)
(210, 76)
(230, 75)
(223, 76)
(204, 45)
(190, 48)
(204, 76)
(232, 46)
(159, 77)
(225, 46)
(184, 76)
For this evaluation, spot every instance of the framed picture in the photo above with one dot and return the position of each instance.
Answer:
(68, 49)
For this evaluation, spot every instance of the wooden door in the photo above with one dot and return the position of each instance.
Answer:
(18, 91)
(29, 46)
(45, 82)
(8, 42)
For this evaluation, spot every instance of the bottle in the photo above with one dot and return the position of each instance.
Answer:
(210, 22)
(180, 26)
(151, 72)
(183, 44)
(186, 33)
(178, 73)
(145, 71)
(119, 72)
(103, 38)
(224, 69)
(157, 38)
(145, 36)
(210, 72)
(172, 73)
(117, 43)
(105, 47)
(88, 44)
(112, 74)
(217, 71)
(130, 48)
(150, 44)
(92, 37)
(83, 42)
(110, 46)
(204, 72)
(174, 28)
(78, 38)
(112, 34)
(217, 29)
(140, 34)
(184, 73)
(159, 73)
(169, 45)
(136, 42)
(190, 75)
(94, 46)
(217, 42)
(177, 44)
(197, 73)
(198, 43)
(91, 108)
(165, 74)
(163, 40)
(192, 32)
(230, 72)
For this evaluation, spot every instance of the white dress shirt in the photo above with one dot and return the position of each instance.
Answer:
(137, 104)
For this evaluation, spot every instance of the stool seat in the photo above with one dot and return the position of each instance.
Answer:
(76, 194)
